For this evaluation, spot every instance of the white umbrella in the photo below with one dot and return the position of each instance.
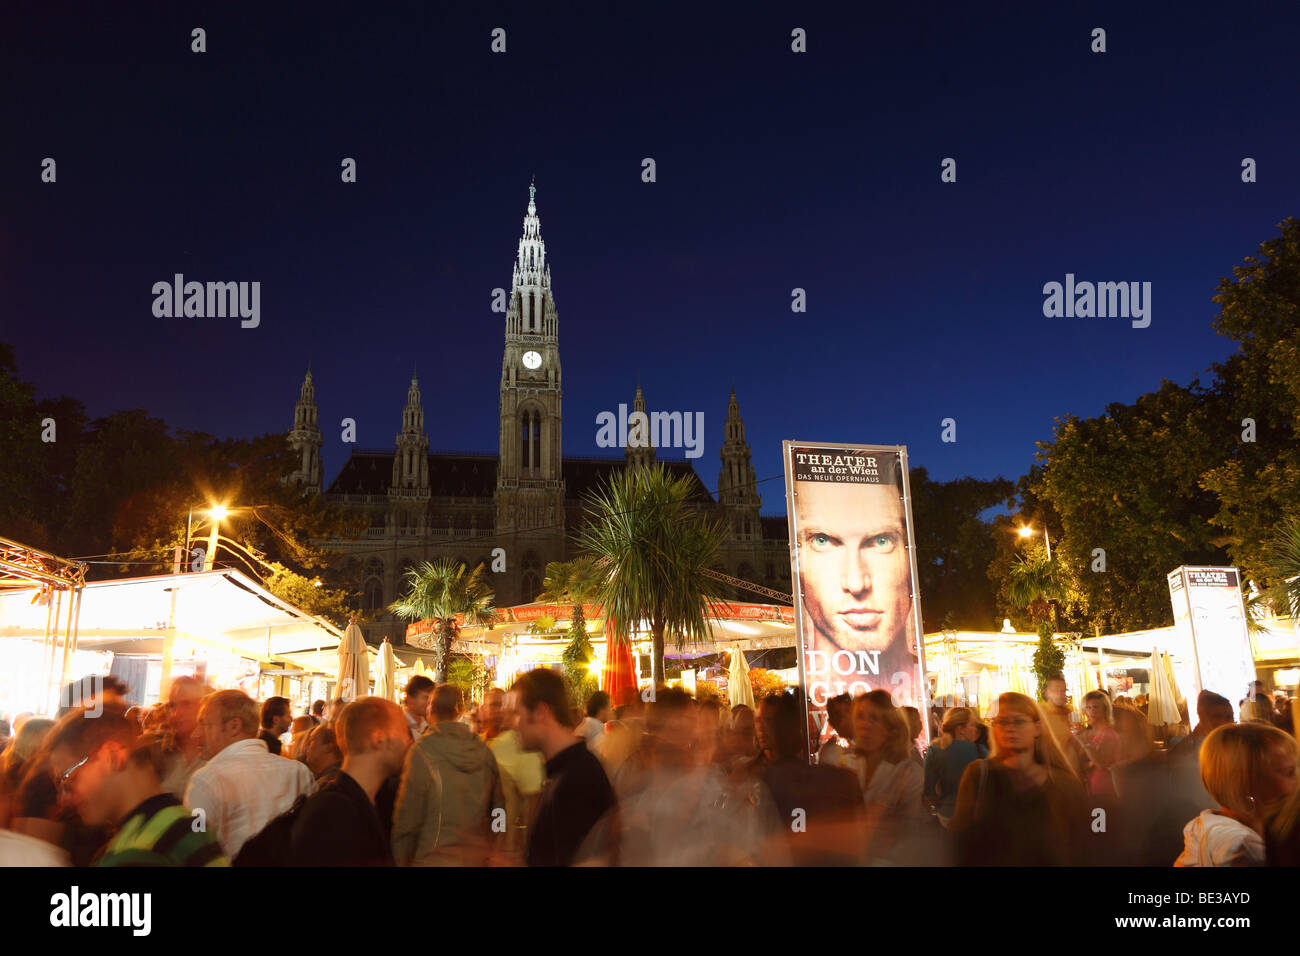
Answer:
(354, 664)
(738, 687)
(1162, 708)
(385, 671)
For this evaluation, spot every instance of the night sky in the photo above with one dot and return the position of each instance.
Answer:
(775, 170)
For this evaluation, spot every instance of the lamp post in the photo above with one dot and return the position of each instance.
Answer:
(1026, 532)
(216, 513)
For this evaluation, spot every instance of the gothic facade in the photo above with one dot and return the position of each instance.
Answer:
(526, 499)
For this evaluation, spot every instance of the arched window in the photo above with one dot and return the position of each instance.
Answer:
(374, 594)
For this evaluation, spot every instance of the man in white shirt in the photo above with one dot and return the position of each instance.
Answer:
(243, 786)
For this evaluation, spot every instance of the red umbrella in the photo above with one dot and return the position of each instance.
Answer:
(618, 678)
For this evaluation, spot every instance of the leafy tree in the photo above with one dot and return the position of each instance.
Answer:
(651, 550)
(954, 547)
(1127, 483)
(1258, 482)
(441, 592)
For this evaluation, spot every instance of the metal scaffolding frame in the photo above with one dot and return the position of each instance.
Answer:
(56, 581)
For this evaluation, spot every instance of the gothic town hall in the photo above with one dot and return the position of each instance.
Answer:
(525, 497)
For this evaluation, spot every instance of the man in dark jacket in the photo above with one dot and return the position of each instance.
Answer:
(276, 720)
(339, 825)
(577, 792)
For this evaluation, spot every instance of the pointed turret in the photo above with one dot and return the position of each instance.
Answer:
(305, 439)
(411, 463)
(737, 482)
(639, 450)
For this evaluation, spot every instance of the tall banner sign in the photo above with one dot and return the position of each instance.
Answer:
(1210, 620)
(853, 564)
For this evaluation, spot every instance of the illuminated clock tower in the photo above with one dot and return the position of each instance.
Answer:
(530, 483)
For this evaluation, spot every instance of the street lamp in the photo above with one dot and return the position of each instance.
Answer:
(215, 513)
(1026, 532)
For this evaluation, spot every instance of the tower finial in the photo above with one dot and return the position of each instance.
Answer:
(532, 189)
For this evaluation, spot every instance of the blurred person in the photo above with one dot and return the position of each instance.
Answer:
(318, 712)
(339, 825)
(22, 747)
(683, 810)
(336, 708)
(1100, 742)
(577, 792)
(298, 732)
(136, 716)
(740, 742)
(1249, 769)
(415, 704)
(592, 725)
(1282, 717)
(322, 755)
(449, 793)
(835, 752)
(185, 750)
(277, 716)
(891, 781)
(155, 719)
(490, 713)
(91, 691)
(1212, 712)
(523, 774)
(1023, 806)
(243, 785)
(109, 774)
(708, 741)
(1055, 708)
(825, 800)
(946, 761)
(1149, 812)
(5, 733)
(913, 717)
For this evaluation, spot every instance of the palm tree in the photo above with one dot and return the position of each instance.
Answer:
(1280, 571)
(439, 592)
(1038, 583)
(571, 582)
(574, 583)
(652, 551)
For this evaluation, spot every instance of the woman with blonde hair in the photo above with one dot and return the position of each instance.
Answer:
(1024, 805)
(1100, 742)
(946, 761)
(891, 781)
(1249, 769)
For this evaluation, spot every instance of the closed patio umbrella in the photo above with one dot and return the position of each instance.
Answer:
(739, 690)
(385, 672)
(354, 664)
(1161, 706)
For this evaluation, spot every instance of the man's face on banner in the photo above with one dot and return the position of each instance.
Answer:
(854, 563)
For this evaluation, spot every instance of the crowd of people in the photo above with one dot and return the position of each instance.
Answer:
(207, 778)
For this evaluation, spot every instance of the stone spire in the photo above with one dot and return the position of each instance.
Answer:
(532, 302)
(639, 450)
(411, 463)
(306, 440)
(737, 482)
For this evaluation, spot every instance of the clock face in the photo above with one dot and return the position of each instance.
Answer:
(532, 360)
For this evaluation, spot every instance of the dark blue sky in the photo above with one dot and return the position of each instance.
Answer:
(775, 170)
